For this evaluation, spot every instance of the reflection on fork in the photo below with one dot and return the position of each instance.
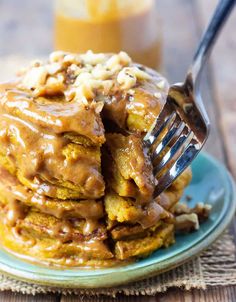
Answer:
(182, 127)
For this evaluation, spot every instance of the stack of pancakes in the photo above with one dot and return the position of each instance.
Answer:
(76, 183)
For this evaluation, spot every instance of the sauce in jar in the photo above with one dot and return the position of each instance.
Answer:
(109, 26)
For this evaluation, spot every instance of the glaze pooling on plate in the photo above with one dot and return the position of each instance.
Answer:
(211, 183)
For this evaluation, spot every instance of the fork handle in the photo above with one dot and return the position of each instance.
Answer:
(208, 39)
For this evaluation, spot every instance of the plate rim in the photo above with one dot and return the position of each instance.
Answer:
(136, 273)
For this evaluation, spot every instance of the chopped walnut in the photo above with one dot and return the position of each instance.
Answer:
(83, 78)
(124, 58)
(56, 56)
(53, 68)
(186, 223)
(201, 211)
(107, 86)
(113, 63)
(181, 208)
(93, 58)
(83, 93)
(140, 74)
(126, 78)
(35, 77)
(79, 76)
(71, 59)
(99, 72)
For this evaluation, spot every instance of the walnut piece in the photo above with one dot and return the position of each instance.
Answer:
(188, 219)
(35, 77)
(186, 223)
(202, 210)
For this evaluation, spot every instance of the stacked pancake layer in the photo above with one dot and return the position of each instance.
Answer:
(76, 182)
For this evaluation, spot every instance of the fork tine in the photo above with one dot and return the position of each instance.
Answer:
(184, 138)
(178, 167)
(165, 117)
(175, 129)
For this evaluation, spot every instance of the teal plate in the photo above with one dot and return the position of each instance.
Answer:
(211, 184)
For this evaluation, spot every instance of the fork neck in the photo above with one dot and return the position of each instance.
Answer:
(208, 39)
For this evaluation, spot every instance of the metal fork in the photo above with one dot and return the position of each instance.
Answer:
(182, 127)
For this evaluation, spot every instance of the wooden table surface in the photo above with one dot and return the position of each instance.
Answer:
(26, 29)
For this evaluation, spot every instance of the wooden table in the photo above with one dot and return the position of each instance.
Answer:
(26, 29)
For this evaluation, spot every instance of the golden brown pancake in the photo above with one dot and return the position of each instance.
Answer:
(132, 164)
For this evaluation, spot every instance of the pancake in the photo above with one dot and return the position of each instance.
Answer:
(163, 236)
(172, 195)
(12, 189)
(47, 250)
(126, 210)
(41, 225)
(54, 114)
(129, 232)
(38, 158)
(132, 163)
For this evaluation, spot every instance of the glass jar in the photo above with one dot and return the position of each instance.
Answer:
(109, 26)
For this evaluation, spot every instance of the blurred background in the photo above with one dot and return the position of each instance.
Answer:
(160, 33)
(27, 30)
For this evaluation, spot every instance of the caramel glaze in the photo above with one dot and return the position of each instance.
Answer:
(78, 222)
(19, 201)
(36, 145)
(11, 189)
(57, 243)
(53, 114)
(89, 254)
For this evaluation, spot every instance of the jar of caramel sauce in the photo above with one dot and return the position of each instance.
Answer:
(109, 26)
